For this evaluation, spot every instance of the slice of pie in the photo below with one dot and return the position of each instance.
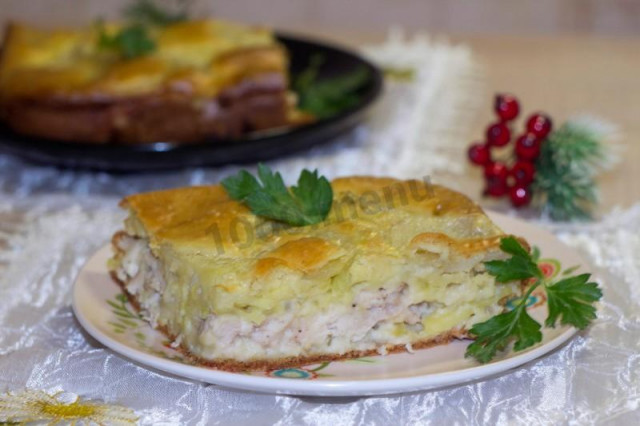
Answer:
(397, 265)
(201, 79)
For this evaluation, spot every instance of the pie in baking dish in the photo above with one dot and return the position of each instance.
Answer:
(397, 265)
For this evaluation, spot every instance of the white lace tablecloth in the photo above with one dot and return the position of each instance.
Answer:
(52, 220)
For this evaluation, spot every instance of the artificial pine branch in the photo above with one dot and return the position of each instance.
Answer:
(569, 161)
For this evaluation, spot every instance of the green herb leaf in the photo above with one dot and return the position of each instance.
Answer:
(520, 266)
(400, 74)
(130, 42)
(326, 97)
(512, 246)
(494, 335)
(315, 195)
(305, 204)
(309, 75)
(535, 254)
(147, 12)
(241, 185)
(571, 300)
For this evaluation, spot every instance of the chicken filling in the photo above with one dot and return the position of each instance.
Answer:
(376, 318)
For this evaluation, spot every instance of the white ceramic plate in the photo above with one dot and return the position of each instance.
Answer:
(103, 311)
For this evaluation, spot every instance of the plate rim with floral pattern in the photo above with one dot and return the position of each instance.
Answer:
(104, 313)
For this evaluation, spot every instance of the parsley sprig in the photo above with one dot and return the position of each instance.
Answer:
(570, 301)
(135, 39)
(148, 12)
(305, 204)
(130, 42)
(327, 96)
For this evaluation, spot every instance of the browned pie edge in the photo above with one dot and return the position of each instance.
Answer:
(149, 119)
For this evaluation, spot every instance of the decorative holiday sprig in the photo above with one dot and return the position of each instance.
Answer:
(307, 203)
(568, 164)
(556, 169)
(569, 300)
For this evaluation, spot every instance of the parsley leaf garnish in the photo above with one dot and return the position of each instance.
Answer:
(130, 42)
(494, 335)
(328, 96)
(570, 299)
(149, 13)
(519, 267)
(134, 39)
(305, 204)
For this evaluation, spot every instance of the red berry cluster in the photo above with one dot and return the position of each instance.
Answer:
(500, 178)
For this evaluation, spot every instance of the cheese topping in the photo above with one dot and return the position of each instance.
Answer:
(201, 57)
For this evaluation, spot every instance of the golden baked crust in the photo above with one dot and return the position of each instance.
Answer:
(206, 78)
(205, 218)
(196, 57)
